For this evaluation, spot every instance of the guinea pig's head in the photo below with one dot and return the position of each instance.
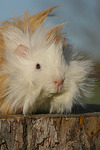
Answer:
(37, 58)
(49, 69)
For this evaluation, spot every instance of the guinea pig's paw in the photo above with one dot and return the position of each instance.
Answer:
(56, 108)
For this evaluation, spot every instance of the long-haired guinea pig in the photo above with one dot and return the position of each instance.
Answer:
(38, 72)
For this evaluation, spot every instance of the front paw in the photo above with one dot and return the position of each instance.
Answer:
(57, 109)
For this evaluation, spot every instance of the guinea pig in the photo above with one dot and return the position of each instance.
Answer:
(38, 70)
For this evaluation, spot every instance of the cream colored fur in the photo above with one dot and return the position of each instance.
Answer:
(31, 90)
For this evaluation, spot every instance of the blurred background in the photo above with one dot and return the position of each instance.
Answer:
(83, 28)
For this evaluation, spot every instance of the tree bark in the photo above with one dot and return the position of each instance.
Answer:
(50, 132)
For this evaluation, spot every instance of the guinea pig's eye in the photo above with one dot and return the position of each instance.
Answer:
(38, 66)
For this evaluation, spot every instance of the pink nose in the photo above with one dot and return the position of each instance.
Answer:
(58, 83)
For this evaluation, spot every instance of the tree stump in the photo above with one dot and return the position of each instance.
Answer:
(50, 132)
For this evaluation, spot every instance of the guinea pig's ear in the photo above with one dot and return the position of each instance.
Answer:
(21, 50)
(55, 35)
(13, 37)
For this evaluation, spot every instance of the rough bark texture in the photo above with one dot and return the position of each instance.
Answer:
(50, 132)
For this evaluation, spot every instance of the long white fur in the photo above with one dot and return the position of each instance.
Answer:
(30, 89)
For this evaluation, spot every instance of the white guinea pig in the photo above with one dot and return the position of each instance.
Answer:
(38, 72)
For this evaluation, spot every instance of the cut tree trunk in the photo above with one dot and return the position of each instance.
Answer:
(50, 132)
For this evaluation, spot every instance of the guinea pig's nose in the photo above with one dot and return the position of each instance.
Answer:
(58, 83)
